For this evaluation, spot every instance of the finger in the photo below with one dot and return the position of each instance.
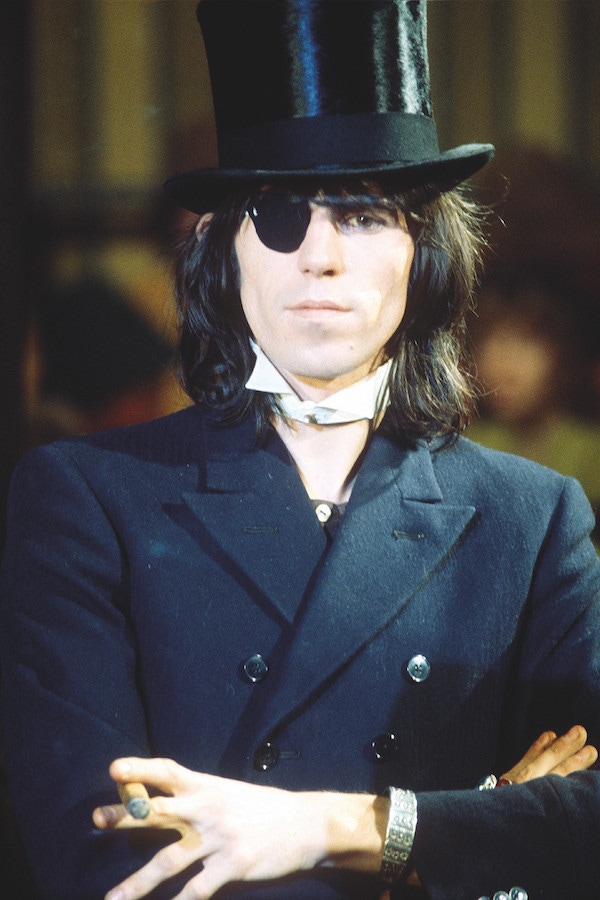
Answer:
(547, 753)
(164, 813)
(545, 740)
(216, 875)
(117, 817)
(107, 817)
(577, 762)
(165, 864)
(538, 747)
(164, 774)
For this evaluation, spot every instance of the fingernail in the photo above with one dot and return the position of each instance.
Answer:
(99, 818)
(116, 894)
(104, 816)
(573, 733)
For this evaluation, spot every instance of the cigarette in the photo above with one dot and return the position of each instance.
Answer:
(134, 797)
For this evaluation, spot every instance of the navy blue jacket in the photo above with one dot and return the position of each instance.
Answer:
(143, 568)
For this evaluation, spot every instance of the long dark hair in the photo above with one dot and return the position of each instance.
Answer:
(432, 394)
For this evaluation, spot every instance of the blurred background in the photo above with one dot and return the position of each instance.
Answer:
(101, 99)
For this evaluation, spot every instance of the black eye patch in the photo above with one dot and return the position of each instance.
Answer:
(281, 220)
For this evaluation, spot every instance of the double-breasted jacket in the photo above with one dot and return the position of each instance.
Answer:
(169, 591)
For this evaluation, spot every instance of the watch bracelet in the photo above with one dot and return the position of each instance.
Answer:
(400, 834)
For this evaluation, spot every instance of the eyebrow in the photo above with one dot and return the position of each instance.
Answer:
(352, 201)
(343, 197)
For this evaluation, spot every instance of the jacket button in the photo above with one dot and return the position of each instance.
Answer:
(418, 668)
(266, 757)
(255, 668)
(384, 746)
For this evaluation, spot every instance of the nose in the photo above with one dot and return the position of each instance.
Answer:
(321, 251)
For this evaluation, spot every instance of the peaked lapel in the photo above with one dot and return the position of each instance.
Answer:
(255, 512)
(396, 533)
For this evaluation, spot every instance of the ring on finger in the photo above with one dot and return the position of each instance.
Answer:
(490, 782)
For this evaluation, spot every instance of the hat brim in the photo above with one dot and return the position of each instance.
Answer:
(202, 190)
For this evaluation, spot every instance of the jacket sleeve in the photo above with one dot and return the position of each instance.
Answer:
(70, 704)
(542, 835)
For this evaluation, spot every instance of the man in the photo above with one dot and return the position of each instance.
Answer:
(306, 613)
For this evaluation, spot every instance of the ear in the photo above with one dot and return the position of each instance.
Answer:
(202, 224)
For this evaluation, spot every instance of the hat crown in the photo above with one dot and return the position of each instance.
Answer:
(320, 89)
(310, 83)
(282, 59)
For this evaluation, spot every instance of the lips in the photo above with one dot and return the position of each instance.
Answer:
(318, 305)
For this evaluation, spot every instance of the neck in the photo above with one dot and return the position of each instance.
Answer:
(318, 389)
(327, 456)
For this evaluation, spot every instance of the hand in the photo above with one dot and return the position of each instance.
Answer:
(552, 755)
(240, 831)
(548, 755)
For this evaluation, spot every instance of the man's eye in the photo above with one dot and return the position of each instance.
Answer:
(366, 222)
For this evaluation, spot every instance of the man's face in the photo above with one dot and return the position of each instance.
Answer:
(323, 312)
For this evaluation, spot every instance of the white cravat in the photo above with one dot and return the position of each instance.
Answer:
(362, 400)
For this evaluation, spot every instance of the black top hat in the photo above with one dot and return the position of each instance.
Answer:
(318, 89)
